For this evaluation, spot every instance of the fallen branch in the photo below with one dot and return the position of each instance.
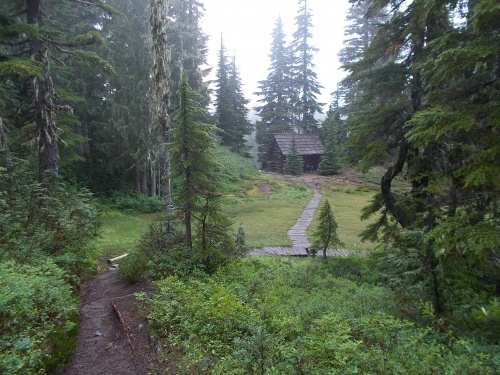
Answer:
(116, 258)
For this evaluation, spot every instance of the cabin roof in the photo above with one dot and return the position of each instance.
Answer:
(307, 144)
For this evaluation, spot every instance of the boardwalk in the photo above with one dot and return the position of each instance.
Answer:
(298, 234)
(295, 251)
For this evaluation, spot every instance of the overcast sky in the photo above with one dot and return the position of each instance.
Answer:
(246, 27)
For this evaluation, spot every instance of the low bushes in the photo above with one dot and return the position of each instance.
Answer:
(280, 316)
(38, 318)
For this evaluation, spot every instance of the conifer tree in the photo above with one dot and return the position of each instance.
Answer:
(330, 161)
(191, 157)
(241, 126)
(160, 98)
(326, 234)
(417, 108)
(306, 87)
(274, 107)
(294, 163)
(188, 44)
(230, 103)
(33, 43)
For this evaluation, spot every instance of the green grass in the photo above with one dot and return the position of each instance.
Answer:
(266, 219)
(120, 232)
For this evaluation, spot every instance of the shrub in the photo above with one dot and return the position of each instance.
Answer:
(136, 202)
(37, 318)
(35, 226)
(159, 254)
(200, 316)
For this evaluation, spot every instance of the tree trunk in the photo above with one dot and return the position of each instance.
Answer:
(144, 182)
(137, 178)
(5, 154)
(153, 181)
(160, 86)
(44, 108)
(187, 212)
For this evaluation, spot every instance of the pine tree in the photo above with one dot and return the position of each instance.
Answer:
(33, 44)
(274, 110)
(230, 103)
(418, 108)
(160, 99)
(191, 157)
(241, 125)
(188, 45)
(306, 87)
(294, 163)
(326, 234)
(330, 161)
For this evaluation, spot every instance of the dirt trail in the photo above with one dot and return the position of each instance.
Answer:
(104, 347)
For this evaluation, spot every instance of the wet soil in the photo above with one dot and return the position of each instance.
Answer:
(113, 336)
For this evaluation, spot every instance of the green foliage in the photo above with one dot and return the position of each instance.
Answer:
(20, 67)
(198, 316)
(137, 202)
(326, 233)
(36, 226)
(89, 38)
(93, 60)
(213, 240)
(268, 315)
(160, 252)
(37, 318)
(232, 169)
(332, 126)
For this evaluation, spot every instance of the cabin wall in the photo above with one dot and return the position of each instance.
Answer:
(276, 159)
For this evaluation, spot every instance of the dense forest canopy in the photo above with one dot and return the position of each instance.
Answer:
(110, 98)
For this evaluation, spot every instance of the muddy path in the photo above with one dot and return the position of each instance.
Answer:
(113, 337)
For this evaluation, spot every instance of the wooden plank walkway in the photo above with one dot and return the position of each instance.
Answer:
(298, 235)
(297, 251)
(298, 232)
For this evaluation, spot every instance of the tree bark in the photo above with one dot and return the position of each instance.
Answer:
(160, 86)
(44, 108)
(47, 131)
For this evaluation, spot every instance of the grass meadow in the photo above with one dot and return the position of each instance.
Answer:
(121, 232)
(266, 208)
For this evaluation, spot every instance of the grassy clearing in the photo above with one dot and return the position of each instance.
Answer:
(346, 203)
(266, 218)
(120, 232)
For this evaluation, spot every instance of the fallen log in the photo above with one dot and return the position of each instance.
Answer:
(116, 258)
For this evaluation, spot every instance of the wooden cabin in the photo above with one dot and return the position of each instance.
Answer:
(308, 146)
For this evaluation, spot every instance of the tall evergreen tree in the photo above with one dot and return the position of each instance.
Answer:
(241, 125)
(306, 87)
(188, 48)
(31, 35)
(274, 110)
(191, 157)
(330, 161)
(160, 99)
(122, 145)
(425, 103)
(230, 103)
